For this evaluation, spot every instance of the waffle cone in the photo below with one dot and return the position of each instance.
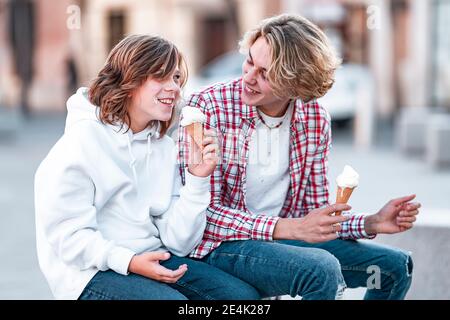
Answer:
(195, 130)
(342, 196)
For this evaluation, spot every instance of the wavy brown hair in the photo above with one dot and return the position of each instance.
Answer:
(130, 63)
(303, 61)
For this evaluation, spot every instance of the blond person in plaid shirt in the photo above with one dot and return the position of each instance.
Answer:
(269, 220)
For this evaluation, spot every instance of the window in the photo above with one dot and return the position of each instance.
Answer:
(116, 27)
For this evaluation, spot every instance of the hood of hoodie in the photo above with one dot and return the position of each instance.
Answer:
(79, 108)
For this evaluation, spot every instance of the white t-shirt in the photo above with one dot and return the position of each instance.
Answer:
(268, 166)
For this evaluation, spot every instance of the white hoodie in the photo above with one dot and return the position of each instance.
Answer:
(102, 195)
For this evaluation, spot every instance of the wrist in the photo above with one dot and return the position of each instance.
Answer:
(197, 173)
(282, 230)
(132, 265)
(370, 224)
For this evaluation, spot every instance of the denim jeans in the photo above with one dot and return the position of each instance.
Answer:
(201, 282)
(316, 271)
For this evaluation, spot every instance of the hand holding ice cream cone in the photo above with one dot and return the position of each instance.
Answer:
(203, 154)
(347, 181)
(192, 120)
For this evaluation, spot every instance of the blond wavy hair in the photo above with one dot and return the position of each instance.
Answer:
(130, 63)
(302, 60)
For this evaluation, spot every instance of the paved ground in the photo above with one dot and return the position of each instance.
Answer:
(384, 174)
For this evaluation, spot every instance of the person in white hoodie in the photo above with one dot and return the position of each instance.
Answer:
(108, 197)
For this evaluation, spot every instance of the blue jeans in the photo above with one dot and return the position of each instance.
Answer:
(316, 271)
(201, 282)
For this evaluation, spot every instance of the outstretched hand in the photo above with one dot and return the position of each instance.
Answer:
(396, 216)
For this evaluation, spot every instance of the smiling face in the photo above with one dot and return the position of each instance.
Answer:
(140, 83)
(154, 100)
(256, 87)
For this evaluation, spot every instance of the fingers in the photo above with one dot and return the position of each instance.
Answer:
(329, 230)
(210, 133)
(411, 206)
(408, 213)
(171, 280)
(406, 219)
(153, 270)
(209, 140)
(171, 276)
(157, 255)
(210, 148)
(335, 207)
(336, 227)
(405, 213)
(399, 201)
(329, 220)
(405, 225)
(210, 154)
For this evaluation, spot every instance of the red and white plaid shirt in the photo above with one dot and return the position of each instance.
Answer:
(228, 217)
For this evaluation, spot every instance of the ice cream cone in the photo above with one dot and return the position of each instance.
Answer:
(195, 130)
(342, 196)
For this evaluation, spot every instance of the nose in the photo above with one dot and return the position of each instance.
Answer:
(250, 75)
(172, 85)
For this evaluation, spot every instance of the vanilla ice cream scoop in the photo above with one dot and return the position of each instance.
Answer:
(347, 181)
(192, 120)
(349, 178)
(192, 115)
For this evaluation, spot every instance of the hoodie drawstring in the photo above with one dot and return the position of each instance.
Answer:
(149, 152)
(133, 159)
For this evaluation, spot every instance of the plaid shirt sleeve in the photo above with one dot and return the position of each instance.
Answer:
(317, 189)
(224, 223)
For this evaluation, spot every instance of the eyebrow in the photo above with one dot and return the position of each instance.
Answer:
(251, 58)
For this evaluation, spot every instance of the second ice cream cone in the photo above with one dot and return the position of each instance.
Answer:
(195, 130)
(342, 196)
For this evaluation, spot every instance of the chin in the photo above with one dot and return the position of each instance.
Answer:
(255, 101)
(251, 102)
(166, 117)
(246, 100)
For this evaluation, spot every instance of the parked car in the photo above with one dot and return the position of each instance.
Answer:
(225, 67)
(343, 98)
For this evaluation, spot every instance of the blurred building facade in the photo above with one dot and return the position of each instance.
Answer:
(405, 43)
(50, 53)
